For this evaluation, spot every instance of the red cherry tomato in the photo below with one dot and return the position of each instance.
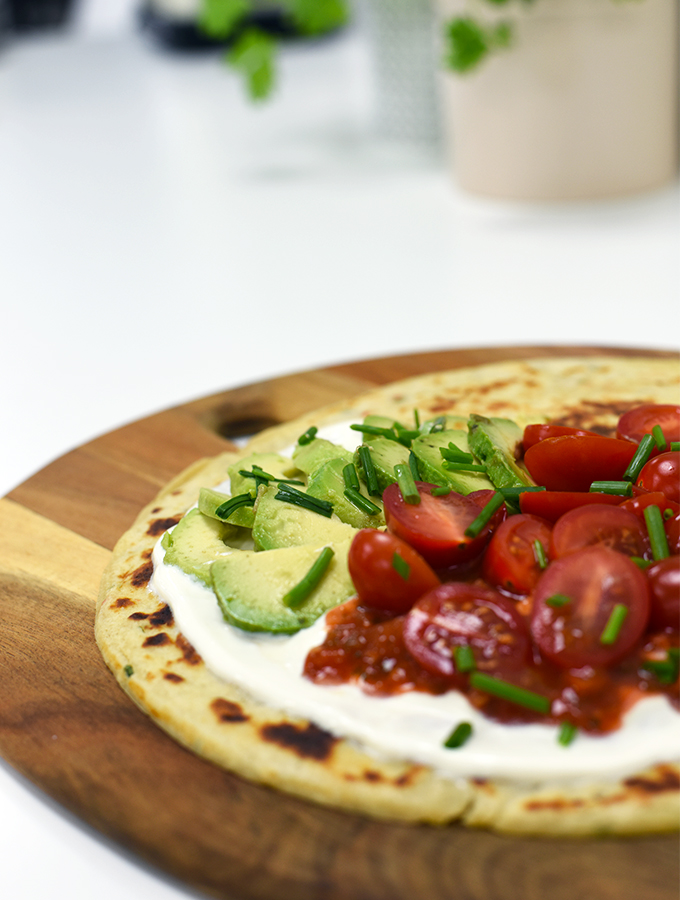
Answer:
(638, 422)
(535, 433)
(551, 505)
(595, 581)
(608, 526)
(670, 513)
(435, 527)
(573, 462)
(662, 473)
(664, 585)
(460, 614)
(387, 573)
(511, 563)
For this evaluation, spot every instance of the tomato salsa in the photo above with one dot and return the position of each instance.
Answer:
(558, 604)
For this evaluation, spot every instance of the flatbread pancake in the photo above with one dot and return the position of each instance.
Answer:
(167, 678)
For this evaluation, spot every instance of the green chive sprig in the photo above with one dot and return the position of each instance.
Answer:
(511, 692)
(665, 670)
(308, 436)
(558, 600)
(370, 475)
(356, 498)
(617, 488)
(290, 494)
(478, 525)
(350, 477)
(464, 658)
(659, 438)
(297, 595)
(407, 485)
(459, 736)
(400, 566)
(224, 510)
(640, 457)
(414, 466)
(656, 531)
(566, 734)
(614, 624)
(539, 555)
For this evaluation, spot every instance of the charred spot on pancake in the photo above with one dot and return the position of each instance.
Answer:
(157, 640)
(158, 526)
(228, 711)
(308, 741)
(598, 417)
(558, 803)
(189, 654)
(142, 574)
(483, 389)
(408, 777)
(122, 602)
(668, 780)
(372, 776)
(162, 617)
(173, 677)
(136, 616)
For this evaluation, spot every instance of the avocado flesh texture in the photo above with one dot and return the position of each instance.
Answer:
(250, 587)
(309, 457)
(386, 454)
(282, 524)
(328, 483)
(209, 501)
(495, 442)
(196, 542)
(430, 462)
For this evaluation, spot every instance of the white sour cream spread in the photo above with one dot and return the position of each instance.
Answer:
(413, 725)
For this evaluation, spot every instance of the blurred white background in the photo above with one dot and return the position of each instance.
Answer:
(162, 238)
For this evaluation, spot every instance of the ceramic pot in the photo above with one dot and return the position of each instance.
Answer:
(582, 106)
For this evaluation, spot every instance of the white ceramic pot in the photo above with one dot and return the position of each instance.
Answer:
(582, 106)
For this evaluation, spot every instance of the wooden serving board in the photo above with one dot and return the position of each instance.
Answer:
(66, 725)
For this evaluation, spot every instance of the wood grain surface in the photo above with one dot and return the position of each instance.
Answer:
(66, 726)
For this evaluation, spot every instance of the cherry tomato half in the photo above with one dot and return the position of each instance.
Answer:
(551, 505)
(459, 614)
(435, 527)
(511, 563)
(387, 573)
(573, 462)
(535, 433)
(638, 422)
(662, 473)
(607, 526)
(594, 581)
(664, 585)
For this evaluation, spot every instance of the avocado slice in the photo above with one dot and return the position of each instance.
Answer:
(250, 586)
(272, 463)
(281, 524)
(196, 542)
(209, 501)
(496, 442)
(328, 483)
(308, 457)
(386, 454)
(430, 462)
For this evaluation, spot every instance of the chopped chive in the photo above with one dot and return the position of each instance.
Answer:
(464, 658)
(462, 466)
(262, 477)
(405, 435)
(512, 693)
(297, 595)
(400, 566)
(640, 562)
(416, 419)
(619, 488)
(407, 485)
(376, 431)
(129, 671)
(224, 510)
(668, 514)
(567, 733)
(558, 600)
(640, 458)
(455, 454)
(539, 554)
(614, 623)
(439, 424)
(298, 498)
(656, 532)
(413, 466)
(460, 734)
(479, 524)
(440, 491)
(674, 445)
(308, 436)
(350, 477)
(510, 493)
(356, 498)
(659, 437)
(665, 670)
(370, 476)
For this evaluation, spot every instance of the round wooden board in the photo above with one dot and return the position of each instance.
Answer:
(66, 725)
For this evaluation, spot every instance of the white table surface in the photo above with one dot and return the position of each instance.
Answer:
(162, 239)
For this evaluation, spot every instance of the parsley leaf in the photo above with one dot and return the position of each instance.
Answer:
(253, 55)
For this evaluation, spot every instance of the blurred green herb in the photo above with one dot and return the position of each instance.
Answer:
(252, 50)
